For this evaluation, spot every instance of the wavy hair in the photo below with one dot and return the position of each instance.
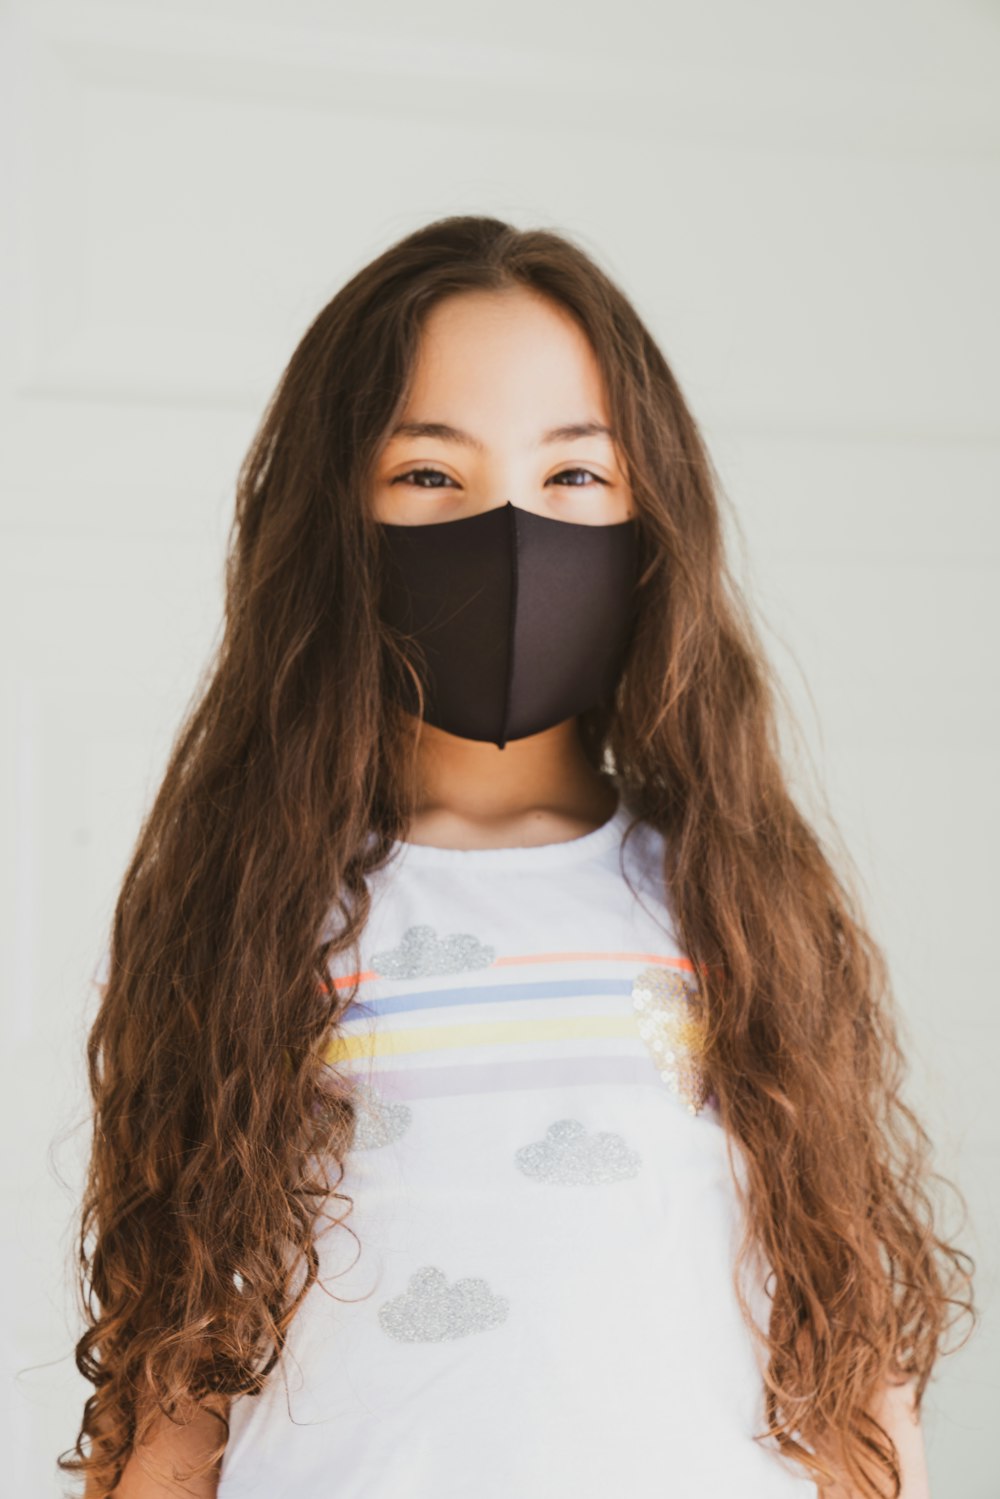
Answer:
(219, 1131)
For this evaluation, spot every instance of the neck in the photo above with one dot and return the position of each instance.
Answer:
(471, 793)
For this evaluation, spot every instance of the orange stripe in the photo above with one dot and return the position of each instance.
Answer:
(590, 957)
(349, 978)
(542, 957)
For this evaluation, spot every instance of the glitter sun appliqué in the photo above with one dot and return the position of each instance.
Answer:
(670, 1021)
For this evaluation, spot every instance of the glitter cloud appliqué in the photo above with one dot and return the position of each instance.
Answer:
(380, 1120)
(568, 1154)
(432, 1311)
(671, 1022)
(422, 953)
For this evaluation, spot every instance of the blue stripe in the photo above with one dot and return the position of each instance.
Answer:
(422, 999)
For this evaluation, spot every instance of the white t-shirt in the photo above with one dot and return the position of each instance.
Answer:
(542, 1304)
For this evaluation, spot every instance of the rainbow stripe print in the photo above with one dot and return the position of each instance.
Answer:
(533, 1020)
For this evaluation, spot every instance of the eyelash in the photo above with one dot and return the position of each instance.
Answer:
(402, 478)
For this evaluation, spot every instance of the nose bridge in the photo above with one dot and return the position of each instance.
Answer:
(509, 478)
(508, 496)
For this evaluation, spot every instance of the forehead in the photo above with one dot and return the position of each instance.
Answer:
(513, 355)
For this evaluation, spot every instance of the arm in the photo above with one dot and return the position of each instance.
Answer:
(894, 1410)
(174, 1447)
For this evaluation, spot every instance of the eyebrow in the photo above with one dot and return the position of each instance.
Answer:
(445, 433)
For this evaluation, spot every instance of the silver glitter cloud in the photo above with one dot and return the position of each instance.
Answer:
(380, 1120)
(422, 953)
(432, 1311)
(568, 1154)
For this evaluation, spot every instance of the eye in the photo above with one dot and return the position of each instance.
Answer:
(420, 473)
(415, 476)
(562, 474)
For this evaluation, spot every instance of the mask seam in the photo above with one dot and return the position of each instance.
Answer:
(514, 567)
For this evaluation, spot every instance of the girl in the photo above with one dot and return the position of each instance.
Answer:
(496, 1089)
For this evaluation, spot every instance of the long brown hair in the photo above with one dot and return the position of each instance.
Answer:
(219, 1132)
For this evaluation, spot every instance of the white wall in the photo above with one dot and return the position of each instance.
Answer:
(803, 202)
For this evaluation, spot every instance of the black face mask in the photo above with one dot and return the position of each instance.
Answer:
(524, 620)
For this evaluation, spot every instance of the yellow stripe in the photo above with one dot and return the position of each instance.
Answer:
(485, 1033)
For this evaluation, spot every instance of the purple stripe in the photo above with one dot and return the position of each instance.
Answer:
(492, 1077)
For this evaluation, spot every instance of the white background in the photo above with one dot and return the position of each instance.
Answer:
(801, 199)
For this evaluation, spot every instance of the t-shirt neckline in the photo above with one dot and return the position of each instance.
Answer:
(539, 855)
